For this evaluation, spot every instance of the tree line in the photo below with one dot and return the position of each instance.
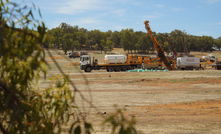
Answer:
(73, 38)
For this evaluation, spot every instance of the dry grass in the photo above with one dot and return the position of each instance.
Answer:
(55, 57)
(73, 64)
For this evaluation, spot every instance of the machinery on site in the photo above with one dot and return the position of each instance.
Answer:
(184, 46)
(158, 48)
(216, 65)
(210, 58)
(172, 60)
(150, 62)
(184, 63)
(171, 46)
(76, 54)
(112, 63)
(188, 63)
(119, 63)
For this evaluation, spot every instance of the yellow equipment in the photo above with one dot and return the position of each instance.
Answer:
(158, 48)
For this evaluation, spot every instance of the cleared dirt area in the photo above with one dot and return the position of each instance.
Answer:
(162, 102)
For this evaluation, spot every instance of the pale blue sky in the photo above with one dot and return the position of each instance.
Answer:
(196, 17)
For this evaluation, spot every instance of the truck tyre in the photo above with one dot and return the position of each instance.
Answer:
(111, 69)
(118, 69)
(124, 68)
(88, 69)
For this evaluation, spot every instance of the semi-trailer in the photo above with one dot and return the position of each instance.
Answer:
(112, 63)
(188, 63)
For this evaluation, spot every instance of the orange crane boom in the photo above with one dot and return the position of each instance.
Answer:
(158, 48)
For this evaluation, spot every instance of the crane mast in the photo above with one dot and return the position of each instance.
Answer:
(158, 48)
(171, 46)
(185, 49)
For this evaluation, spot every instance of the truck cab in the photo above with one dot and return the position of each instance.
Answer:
(209, 57)
(85, 61)
(70, 55)
(212, 57)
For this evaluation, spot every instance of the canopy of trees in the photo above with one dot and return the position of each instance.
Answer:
(73, 38)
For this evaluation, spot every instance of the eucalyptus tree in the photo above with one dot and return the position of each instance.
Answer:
(115, 37)
(126, 39)
(218, 43)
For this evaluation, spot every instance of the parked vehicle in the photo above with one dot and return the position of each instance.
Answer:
(112, 63)
(216, 65)
(209, 57)
(188, 63)
(76, 54)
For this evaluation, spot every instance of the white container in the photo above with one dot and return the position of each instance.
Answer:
(188, 62)
(115, 59)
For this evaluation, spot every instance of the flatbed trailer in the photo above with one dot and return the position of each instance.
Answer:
(110, 67)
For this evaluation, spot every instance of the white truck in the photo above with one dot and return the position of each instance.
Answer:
(188, 63)
(209, 57)
(112, 63)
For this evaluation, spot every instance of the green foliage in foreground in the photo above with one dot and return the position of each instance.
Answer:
(23, 107)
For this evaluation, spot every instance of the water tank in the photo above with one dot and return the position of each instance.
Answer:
(115, 59)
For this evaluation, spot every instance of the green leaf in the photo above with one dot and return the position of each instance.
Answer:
(52, 101)
(77, 130)
(39, 12)
(88, 127)
(122, 131)
(37, 78)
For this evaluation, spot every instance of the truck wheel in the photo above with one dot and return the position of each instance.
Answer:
(118, 69)
(107, 69)
(123, 68)
(111, 69)
(87, 69)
